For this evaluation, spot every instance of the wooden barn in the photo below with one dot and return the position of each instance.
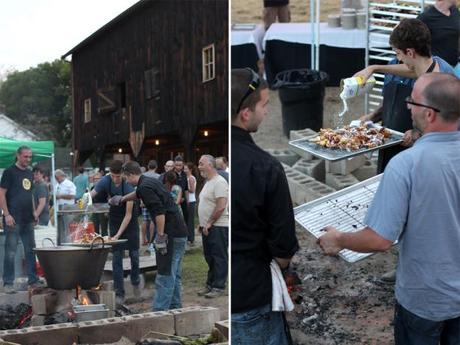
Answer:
(153, 83)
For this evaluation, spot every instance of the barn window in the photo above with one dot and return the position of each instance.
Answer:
(152, 83)
(87, 107)
(209, 63)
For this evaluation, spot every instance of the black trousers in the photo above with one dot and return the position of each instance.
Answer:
(411, 329)
(215, 248)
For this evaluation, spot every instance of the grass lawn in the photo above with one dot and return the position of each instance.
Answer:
(194, 269)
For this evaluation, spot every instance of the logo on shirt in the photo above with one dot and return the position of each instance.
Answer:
(26, 184)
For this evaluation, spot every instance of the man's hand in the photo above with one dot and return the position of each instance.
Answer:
(365, 73)
(116, 237)
(161, 243)
(410, 137)
(115, 200)
(365, 118)
(36, 216)
(206, 229)
(9, 220)
(329, 242)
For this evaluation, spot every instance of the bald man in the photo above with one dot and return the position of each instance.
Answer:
(418, 203)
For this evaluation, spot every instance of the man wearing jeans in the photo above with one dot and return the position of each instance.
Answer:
(16, 202)
(418, 203)
(213, 217)
(171, 234)
(263, 227)
(123, 224)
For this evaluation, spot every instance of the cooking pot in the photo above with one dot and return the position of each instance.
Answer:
(65, 267)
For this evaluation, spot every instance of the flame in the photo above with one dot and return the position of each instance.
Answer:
(85, 300)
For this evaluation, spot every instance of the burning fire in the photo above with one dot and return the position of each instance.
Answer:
(84, 300)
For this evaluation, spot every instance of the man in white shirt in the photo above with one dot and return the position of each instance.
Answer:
(65, 195)
(213, 216)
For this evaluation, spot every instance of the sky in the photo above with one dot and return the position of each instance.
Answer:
(37, 31)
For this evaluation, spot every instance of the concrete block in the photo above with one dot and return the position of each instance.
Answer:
(285, 156)
(105, 330)
(45, 304)
(195, 320)
(139, 325)
(345, 166)
(14, 299)
(223, 326)
(301, 153)
(302, 134)
(315, 168)
(368, 170)
(63, 333)
(338, 182)
(107, 298)
(37, 320)
(304, 188)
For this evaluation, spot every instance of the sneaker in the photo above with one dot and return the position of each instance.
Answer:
(9, 289)
(389, 277)
(204, 291)
(214, 293)
(37, 284)
(151, 248)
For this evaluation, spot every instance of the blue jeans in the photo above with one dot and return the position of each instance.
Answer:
(168, 287)
(259, 326)
(411, 329)
(12, 234)
(118, 274)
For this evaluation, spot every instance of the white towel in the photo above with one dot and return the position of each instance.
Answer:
(281, 301)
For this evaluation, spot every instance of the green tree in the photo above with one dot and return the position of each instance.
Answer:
(41, 97)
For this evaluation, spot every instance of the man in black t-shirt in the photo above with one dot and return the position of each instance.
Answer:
(171, 235)
(263, 228)
(443, 20)
(276, 9)
(16, 202)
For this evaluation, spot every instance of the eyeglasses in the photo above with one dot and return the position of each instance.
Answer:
(253, 85)
(410, 101)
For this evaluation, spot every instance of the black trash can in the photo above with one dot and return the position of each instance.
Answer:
(301, 93)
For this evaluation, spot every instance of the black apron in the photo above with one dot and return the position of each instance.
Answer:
(396, 116)
(116, 215)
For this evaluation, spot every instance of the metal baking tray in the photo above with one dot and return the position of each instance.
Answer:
(94, 208)
(344, 210)
(337, 154)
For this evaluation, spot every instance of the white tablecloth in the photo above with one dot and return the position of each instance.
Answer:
(248, 34)
(301, 33)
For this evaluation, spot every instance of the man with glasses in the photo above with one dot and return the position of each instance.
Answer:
(411, 42)
(418, 203)
(263, 227)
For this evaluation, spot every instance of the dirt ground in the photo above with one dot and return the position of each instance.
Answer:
(337, 302)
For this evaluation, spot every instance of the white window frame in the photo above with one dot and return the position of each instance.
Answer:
(87, 110)
(209, 63)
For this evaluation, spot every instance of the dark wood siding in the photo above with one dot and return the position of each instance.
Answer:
(167, 36)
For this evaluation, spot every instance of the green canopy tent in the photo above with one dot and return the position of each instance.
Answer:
(41, 150)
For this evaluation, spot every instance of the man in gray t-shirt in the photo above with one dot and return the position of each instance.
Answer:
(41, 197)
(418, 203)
